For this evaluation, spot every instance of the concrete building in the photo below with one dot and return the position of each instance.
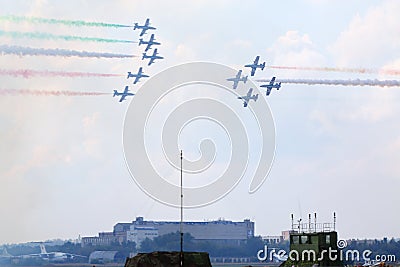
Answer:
(272, 239)
(138, 234)
(220, 231)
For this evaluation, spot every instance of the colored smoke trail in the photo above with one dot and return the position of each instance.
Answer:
(348, 70)
(355, 82)
(28, 51)
(48, 92)
(78, 23)
(26, 73)
(49, 36)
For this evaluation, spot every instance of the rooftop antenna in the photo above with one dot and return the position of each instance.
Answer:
(315, 221)
(309, 222)
(181, 224)
(334, 221)
(292, 222)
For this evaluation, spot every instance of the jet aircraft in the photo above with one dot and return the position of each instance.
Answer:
(152, 57)
(149, 43)
(144, 27)
(271, 85)
(248, 97)
(137, 76)
(123, 94)
(237, 79)
(255, 65)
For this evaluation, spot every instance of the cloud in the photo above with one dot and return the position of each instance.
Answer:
(370, 39)
(295, 49)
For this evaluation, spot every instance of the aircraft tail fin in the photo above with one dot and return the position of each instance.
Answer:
(135, 26)
(245, 79)
(255, 97)
(115, 93)
(279, 86)
(263, 66)
(4, 252)
(42, 249)
(144, 56)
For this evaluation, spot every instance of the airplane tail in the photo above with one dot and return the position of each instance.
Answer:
(245, 79)
(135, 26)
(42, 249)
(279, 86)
(5, 252)
(140, 41)
(263, 66)
(256, 97)
(144, 56)
(115, 93)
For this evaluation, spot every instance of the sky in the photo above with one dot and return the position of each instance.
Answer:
(63, 171)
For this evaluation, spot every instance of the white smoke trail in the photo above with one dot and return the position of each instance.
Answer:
(48, 92)
(354, 82)
(28, 51)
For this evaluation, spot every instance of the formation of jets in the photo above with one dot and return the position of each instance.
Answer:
(152, 56)
(239, 78)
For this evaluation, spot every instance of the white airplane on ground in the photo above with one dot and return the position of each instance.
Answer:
(50, 256)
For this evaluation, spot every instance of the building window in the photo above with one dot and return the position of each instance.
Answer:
(327, 239)
(295, 239)
(304, 239)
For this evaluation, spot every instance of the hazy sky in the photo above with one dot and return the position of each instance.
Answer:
(62, 168)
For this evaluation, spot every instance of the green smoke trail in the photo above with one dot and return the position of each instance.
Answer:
(77, 23)
(49, 36)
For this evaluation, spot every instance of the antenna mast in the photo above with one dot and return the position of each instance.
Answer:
(181, 224)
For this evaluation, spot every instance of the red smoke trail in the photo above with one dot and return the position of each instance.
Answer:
(48, 92)
(349, 70)
(26, 73)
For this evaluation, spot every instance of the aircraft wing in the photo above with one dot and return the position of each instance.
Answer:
(142, 32)
(269, 90)
(151, 61)
(122, 97)
(253, 70)
(256, 60)
(272, 80)
(148, 46)
(136, 79)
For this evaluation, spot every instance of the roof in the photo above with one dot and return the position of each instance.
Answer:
(110, 255)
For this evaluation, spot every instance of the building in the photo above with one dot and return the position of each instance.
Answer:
(272, 239)
(102, 257)
(138, 234)
(220, 231)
